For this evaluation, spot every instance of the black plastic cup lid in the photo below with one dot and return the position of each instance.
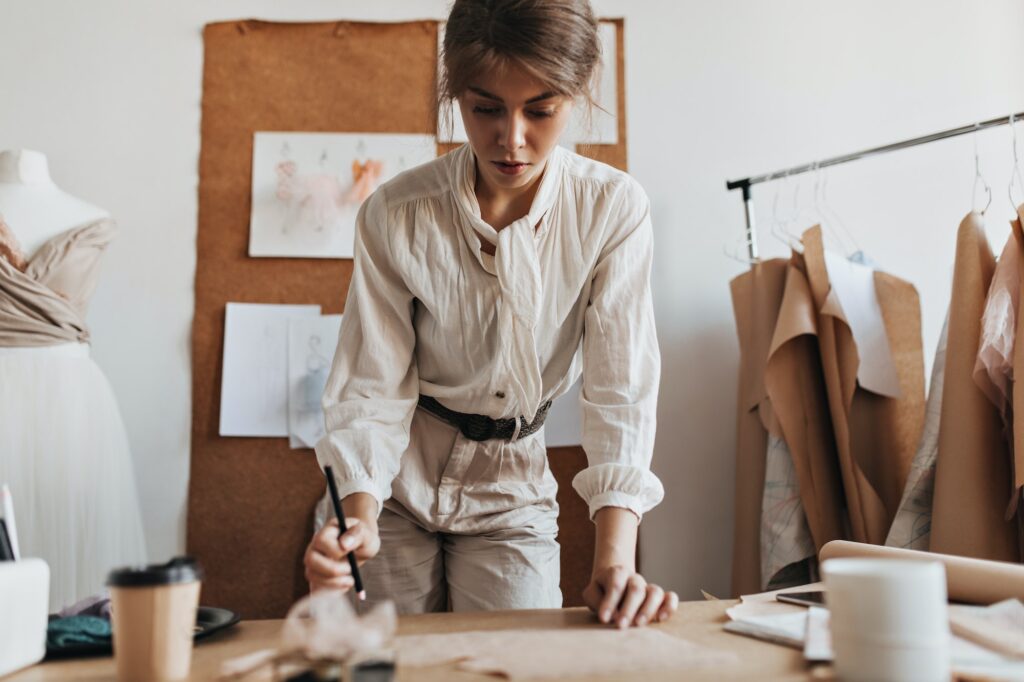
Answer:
(181, 569)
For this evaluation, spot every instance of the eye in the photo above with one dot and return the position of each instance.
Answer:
(486, 111)
(542, 113)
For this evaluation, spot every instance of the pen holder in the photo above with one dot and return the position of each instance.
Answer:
(25, 595)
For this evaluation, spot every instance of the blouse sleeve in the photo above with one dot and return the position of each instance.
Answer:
(621, 368)
(373, 386)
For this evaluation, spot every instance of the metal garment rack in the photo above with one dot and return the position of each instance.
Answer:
(746, 183)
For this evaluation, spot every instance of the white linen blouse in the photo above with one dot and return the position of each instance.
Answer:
(429, 312)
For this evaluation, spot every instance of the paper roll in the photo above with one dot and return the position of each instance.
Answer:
(974, 581)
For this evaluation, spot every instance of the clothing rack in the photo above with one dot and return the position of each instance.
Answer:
(745, 184)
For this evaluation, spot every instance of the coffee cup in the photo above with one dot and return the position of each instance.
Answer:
(889, 619)
(153, 613)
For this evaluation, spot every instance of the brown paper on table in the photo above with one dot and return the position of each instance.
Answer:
(1017, 461)
(876, 436)
(558, 654)
(975, 581)
(798, 404)
(972, 473)
(756, 297)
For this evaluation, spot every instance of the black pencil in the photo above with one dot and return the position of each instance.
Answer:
(360, 592)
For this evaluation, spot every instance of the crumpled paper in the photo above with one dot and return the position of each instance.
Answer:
(325, 626)
(322, 627)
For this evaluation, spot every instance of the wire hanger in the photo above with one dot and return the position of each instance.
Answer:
(1016, 168)
(733, 253)
(743, 242)
(812, 213)
(778, 224)
(978, 177)
(831, 216)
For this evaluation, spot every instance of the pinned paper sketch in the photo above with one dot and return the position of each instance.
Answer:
(307, 187)
(254, 387)
(602, 127)
(563, 425)
(311, 344)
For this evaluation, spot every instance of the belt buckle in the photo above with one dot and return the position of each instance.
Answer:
(479, 427)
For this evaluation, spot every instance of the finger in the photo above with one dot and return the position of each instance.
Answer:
(614, 585)
(592, 596)
(343, 584)
(653, 602)
(636, 590)
(326, 542)
(325, 566)
(669, 606)
(354, 536)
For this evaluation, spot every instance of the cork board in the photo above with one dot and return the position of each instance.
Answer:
(251, 499)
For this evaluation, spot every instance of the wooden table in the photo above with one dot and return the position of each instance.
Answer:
(699, 622)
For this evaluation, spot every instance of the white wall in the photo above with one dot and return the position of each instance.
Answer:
(110, 90)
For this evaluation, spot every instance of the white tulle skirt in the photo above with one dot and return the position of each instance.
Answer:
(64, 453)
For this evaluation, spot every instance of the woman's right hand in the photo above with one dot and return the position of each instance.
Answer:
(327, 566)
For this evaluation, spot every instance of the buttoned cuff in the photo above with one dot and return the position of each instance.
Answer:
(353, 477)
(619, 485)
(364, 485)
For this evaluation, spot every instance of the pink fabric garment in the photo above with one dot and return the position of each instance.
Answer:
(320, 197)
(993, 369)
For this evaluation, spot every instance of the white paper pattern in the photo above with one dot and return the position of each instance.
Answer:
(854, 285)
(254, 385)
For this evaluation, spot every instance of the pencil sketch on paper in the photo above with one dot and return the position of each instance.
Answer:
(311, 344)
(254, 381)
(307, 187)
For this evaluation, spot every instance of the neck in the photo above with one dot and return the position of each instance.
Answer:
(24, 167)
(518, 200)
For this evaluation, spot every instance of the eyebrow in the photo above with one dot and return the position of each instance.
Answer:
(487, 95)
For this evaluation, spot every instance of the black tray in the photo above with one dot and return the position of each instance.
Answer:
(209, 621)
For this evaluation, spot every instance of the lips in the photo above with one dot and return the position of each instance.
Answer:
(511, 167)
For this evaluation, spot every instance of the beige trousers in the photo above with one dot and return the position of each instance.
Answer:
(470, 525)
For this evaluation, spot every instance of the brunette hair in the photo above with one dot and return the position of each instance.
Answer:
(555, 41)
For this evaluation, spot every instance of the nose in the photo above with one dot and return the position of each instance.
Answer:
(513, 136)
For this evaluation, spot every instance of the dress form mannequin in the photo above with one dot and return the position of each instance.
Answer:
(64, 450)
(35, 209)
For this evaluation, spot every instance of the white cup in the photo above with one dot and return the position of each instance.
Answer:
(889, 619)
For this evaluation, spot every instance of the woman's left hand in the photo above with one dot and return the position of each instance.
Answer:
(621, 596)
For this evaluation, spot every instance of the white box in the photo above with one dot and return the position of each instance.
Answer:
(24, 605)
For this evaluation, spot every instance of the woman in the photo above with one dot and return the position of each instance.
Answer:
(485, 283)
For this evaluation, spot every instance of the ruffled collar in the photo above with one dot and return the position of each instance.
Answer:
(516, 264)
(462, 175)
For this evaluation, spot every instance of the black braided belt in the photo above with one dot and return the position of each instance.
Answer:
(481, 427)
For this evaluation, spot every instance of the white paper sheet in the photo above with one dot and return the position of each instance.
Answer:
(854, 285)
(254, 385)
(311, 344)
(307, 187)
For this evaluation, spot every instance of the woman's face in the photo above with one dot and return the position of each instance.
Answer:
(512, 122)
